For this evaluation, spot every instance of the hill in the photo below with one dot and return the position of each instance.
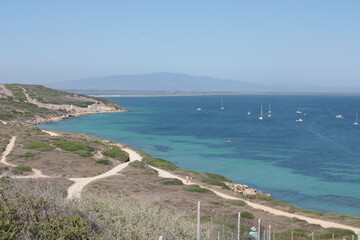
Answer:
(157, 82)
(35, 103)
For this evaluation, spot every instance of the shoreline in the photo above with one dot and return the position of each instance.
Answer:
(66, 116)
(234, 192)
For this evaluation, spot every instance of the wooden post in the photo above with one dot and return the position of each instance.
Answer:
(292, 235)
(161, 238)
(238, 225)
(258, 230)
(269, 232)
(198, 222)
(218, 235)
(333, 236)
(312, 236)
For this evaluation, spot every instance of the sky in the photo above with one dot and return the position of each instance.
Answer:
(290, 43)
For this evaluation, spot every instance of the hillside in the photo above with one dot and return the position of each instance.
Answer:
(157, 82)
(35, 103)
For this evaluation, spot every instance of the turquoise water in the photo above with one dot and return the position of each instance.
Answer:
(314, 164)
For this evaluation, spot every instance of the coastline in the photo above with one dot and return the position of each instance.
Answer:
(255, 204)
(67, 116)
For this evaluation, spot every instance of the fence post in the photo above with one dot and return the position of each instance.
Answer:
(198, 221)
(258, 233)
(269, 232)
(238, 223)
(292, 235)
(161, 238)
(312, 236)
(218, 235)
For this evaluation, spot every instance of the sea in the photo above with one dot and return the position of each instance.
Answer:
(314, 164)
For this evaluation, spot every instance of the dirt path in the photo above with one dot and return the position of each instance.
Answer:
(53, 134)
(74, 191)
(323, 223)
(7, 151)
(36, 172)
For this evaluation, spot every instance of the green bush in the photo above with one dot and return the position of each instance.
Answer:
(103, 161)
(239, 203)
(21, 169)
(247, 215)
(116, 153)
(161, 163)
(170, 181)
(38, 211)
(197, 188)
(218, 177)
(39, 146)
(215, 182)
(78, 148)
(26, 155)
(338, 233)
(138, 164)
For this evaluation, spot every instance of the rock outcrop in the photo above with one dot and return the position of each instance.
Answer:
(245, 190)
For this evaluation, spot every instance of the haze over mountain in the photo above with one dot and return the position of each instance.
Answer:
(157, 82)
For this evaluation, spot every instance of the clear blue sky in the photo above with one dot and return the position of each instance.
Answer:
(304, 42)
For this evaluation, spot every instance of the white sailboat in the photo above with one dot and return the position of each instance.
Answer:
(222, 105)
(269, 112)
(356, 123)
(249, 112)
(199, 109)
(261, 114)
(299, 120)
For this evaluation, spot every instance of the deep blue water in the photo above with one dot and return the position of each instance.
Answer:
(314, 164)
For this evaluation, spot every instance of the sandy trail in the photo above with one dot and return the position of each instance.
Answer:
(7, 151)
(37, 173)
(74, 190)
(323, 223)
(53, 134)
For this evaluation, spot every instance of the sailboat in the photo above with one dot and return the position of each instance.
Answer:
(249, 112)
(269, 112)
(222, 105)
(261, 114)
(356, 123)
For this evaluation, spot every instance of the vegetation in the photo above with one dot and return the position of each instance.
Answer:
(38, 210)
(161, 163)
(21, 169)
(197, 188)
(138, 164)
(170, 181)
(218, 177)
(25, 155)
(247, 215)
(215, 182)
(78, 148)
(39, 146)
(103, 161)
(116, 153)
(239, 203)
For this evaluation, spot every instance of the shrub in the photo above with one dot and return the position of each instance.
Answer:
(138, 164)
(237, 203)
(26, 155)
(215, 182)
(117, 153)
(78, 148)
(103, 161)
(21, 169)
(247, 215)
(170, 181)
(338, 233)
(117, 216)
(218, 177)
(39, 146)
(197, 188)
(37, 210)
(161, 163)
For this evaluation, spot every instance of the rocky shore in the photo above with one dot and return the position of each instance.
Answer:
(245, 190)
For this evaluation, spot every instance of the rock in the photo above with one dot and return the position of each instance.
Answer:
(245, 190)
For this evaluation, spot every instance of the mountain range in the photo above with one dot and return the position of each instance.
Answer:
(157, 82)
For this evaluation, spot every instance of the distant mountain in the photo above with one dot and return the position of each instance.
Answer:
(157, 82)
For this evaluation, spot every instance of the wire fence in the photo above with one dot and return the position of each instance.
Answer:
(254, 229)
